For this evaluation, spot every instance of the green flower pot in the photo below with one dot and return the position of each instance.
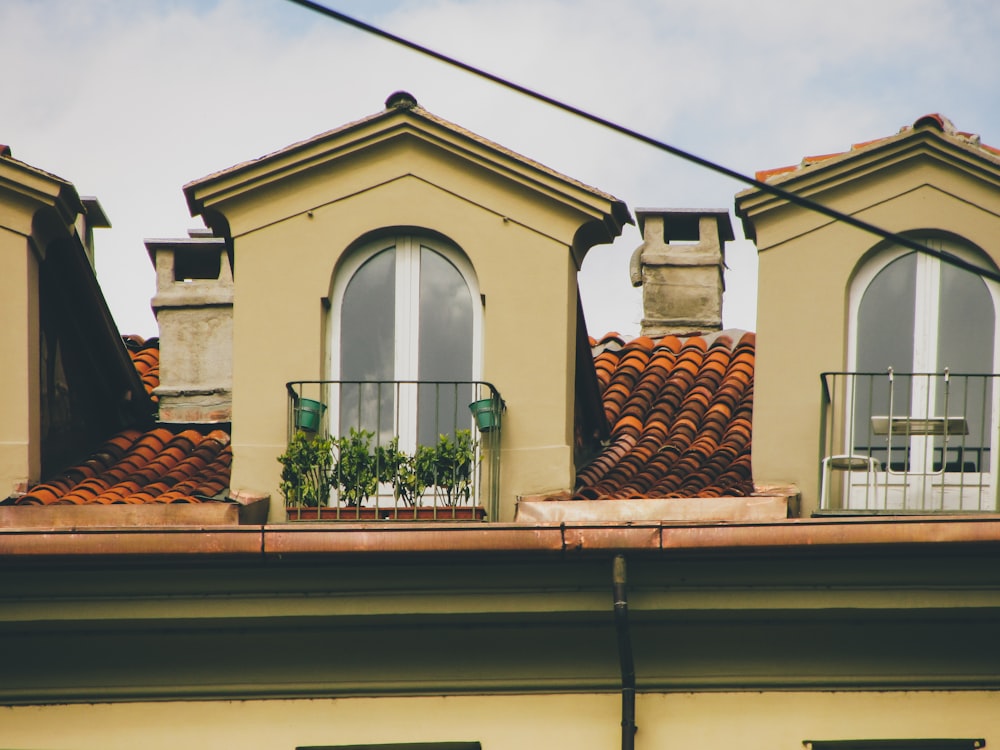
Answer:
(486, 414)
(309, 414)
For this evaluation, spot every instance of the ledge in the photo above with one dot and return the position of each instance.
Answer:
(246, 510)
(754, 509)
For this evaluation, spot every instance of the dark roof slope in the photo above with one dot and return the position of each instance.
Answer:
(166, 464)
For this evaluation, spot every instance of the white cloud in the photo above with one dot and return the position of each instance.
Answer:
(132, 100)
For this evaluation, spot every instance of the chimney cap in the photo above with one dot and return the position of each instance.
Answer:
(196, 243)
(677, 218)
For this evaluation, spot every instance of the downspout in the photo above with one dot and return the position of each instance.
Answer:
(618, 579)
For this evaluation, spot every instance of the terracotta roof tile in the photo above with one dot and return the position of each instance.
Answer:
(934, 120)
(145, 354)
(679, 411)
(159, 465)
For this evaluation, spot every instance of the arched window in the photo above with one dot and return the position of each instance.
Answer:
(405, 308)
(925, 331)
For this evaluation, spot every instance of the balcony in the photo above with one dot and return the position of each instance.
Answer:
(908, 442)
(392, 450)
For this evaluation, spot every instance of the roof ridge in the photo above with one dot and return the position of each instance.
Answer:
(934, 120)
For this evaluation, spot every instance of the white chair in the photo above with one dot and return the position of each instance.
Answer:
(849, 463)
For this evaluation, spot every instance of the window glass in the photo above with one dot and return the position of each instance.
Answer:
(965, 333)
(367, 320)
(921, 315)
(885, 318)
(409, 312)
(965, 322)
(885, 339)
(445, 350)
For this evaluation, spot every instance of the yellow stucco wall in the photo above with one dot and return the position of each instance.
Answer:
(20, 457)
(806, 263)
(289, 235)
(743, 721)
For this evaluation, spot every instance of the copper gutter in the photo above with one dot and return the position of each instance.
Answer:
(301, 539)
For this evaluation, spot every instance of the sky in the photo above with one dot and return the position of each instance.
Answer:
(131, 99)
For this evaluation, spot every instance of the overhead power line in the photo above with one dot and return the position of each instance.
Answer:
(774, 190)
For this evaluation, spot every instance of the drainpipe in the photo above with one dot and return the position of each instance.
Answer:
(624, 653)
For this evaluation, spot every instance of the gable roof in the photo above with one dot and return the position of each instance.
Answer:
(680, 415)
(935, 122)
(930, 140)
(399, 104)
(403, 117)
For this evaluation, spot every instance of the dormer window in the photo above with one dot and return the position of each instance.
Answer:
(395, 221)
(921, 392)
(405, 308)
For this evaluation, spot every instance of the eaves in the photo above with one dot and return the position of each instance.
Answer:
(567, 540)
(822, 178)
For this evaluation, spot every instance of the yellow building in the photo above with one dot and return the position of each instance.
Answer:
(631, 574)
(854, 303)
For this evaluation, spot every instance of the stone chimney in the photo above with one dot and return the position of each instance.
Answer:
(194, 310)
(679, 266)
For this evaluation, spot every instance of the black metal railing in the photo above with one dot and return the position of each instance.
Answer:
(908, 442)
(400, 449)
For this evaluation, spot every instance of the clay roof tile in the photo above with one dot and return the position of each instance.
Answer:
(141, 467)
(680, 411)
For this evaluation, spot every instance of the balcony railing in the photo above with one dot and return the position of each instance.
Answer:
(908, 442)
(395, 450)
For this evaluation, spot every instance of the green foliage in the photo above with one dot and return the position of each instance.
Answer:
(311, 467)
(355, 470)
(448, 466)
(396, 468)
(306, 471)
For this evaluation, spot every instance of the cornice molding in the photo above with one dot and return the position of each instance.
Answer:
(870, 163)
(30, 189)
(243, 180)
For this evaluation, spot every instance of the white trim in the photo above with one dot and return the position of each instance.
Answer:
(870, 268)
(927, 304)
(407, 316)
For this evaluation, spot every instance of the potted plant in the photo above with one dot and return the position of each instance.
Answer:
(306, 471)
(398, 469)
(311, 467)
(355, 471)
(448, 466)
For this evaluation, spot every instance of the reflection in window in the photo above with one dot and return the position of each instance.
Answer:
(407, 314)
(445, 345)
(919, 315)
(368, 318)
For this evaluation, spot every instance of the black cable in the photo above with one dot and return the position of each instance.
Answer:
(779, 192)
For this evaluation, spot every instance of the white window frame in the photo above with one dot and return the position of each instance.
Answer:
(926, 306)
(406, 345)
